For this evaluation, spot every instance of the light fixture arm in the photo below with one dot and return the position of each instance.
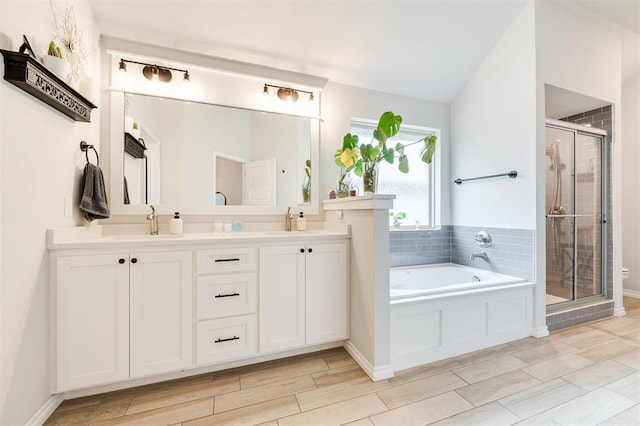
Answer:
(154, 70)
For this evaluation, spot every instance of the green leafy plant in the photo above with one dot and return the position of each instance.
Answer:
(397, 218)
(306, 184)
(364, 158)
(54, 50)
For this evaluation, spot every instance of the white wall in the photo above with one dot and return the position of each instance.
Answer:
(493, 131)
(41, 164)
(340, 103)
(579, 52)
(631, 172)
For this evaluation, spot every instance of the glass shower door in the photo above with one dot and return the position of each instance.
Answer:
(573, 209)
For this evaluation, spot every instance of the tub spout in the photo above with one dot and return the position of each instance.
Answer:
(481, 255)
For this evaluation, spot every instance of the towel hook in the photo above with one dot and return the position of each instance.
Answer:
(85, 147)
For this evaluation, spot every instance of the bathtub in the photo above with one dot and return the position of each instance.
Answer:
(425, 280)
(440, 311)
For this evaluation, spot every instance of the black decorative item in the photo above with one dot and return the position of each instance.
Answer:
(133, 146)
(26, 46)
(28, 74)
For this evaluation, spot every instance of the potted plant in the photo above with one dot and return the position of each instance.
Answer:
(55, 63)
(346, 158)
(397, 218)
(365, 158)
(306, 184)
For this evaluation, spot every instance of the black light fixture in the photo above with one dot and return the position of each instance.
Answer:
(287, 93)
(155, 72)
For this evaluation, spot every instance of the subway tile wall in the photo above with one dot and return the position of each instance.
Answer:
(511, 251)
(420, 247)
(578, 316)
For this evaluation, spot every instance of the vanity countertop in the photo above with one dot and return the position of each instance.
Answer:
(95, 237)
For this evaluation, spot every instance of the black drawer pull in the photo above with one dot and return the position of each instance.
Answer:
(226, 340)
(134, 260)
(233, 259)
(121, 261)
(227, 295)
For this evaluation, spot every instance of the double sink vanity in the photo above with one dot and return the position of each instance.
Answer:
(129, 306)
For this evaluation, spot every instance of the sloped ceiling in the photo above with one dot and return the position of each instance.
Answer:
(420, 48)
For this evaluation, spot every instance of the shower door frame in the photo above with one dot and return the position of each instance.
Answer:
(604, 198)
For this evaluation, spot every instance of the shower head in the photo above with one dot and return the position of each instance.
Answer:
(549, 151)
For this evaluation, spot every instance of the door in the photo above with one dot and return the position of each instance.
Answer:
(326, 292)
(575, 220)
(161, 312)
(92, 329)
(260, 183)
(281, 298)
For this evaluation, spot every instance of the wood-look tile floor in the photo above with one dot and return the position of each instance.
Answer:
(579, 376)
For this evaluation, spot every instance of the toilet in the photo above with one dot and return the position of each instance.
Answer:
(625, 273)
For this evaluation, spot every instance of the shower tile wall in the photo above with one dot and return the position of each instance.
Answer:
(511, 252)
(600, 118)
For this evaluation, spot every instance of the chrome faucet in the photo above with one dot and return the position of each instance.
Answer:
(288, 219)
(153, 225)
(481, 255)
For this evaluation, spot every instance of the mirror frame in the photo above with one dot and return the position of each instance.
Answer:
(116, 149)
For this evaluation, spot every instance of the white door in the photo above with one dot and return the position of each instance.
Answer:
(92, 328)
(161, 312)
(260, 183)
(326, 292)
(281, 298)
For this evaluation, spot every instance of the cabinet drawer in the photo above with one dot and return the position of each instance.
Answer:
(226, 260)
(226, 295)
(226, 339)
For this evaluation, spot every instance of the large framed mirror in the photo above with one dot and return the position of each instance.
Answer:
(200, 158)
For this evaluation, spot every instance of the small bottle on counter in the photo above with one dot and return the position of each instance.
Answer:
(301, 223)
(175, 226)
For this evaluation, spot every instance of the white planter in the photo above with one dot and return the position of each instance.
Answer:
(58, 66)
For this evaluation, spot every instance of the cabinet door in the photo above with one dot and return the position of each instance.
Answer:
(92, 320)
(281, 298)
(161, 312)
(326, 292)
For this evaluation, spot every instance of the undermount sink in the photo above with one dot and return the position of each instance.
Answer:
(292, 232)
(130, 237)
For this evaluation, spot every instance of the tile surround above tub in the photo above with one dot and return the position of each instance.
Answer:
(511, 251)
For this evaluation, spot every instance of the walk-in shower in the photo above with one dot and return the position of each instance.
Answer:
(576, 186)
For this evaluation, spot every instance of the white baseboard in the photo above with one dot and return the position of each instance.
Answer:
(539, 332)
(631, 293)
(619, 312)
(46, 410)
(375, 373)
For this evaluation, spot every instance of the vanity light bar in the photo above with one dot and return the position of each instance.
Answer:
(287, 93)
(155, 72)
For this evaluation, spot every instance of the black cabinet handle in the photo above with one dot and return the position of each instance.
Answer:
(310, 250)
(301, 250)
(227, 295)
(234, 259)
(121, 261)
(226, 340)
(134, 260)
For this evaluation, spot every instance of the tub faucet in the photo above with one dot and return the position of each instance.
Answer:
(481, 255)
(153, 225)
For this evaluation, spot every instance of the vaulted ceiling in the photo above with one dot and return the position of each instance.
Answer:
(425, 49)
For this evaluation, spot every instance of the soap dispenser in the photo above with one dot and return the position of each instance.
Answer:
(175, 226)
(301, 223)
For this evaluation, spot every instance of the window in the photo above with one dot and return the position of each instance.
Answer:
(417, 191)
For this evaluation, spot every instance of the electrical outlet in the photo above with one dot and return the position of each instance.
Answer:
(68, 209)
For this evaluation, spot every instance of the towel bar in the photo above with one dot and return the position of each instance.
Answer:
(512, 174)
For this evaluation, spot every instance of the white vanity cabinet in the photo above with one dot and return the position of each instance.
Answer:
(226, 304)
(121, 315)
(303, 295)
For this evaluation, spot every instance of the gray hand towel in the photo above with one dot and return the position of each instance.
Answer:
(93, 200)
